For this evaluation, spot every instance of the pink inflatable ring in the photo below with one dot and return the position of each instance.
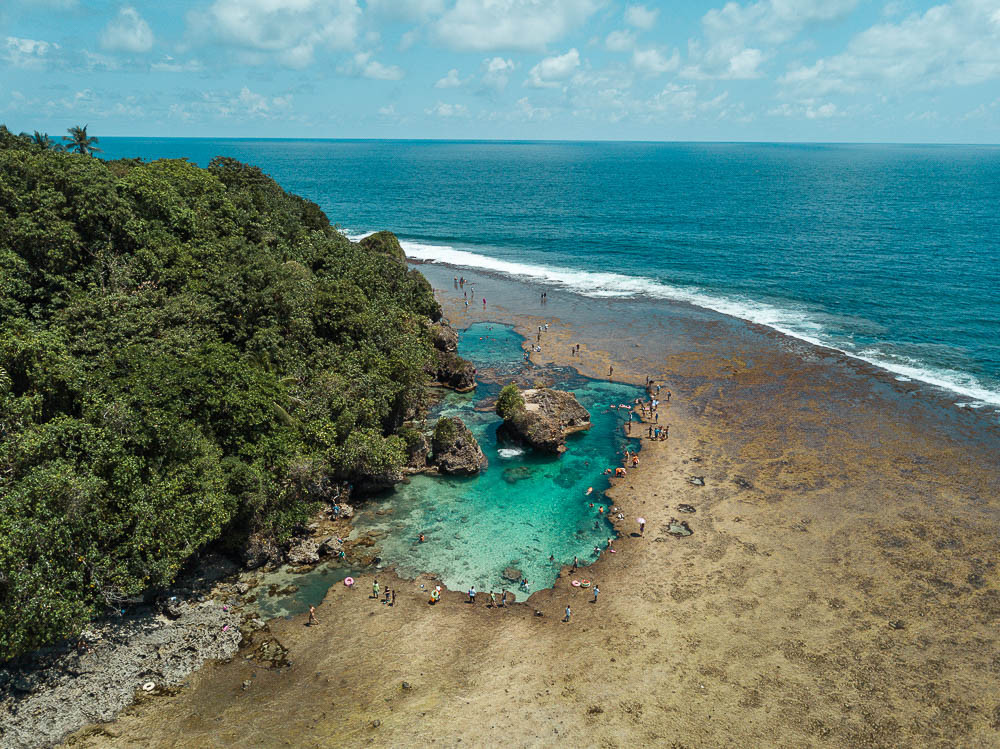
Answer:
(348, 581)
(576, 583)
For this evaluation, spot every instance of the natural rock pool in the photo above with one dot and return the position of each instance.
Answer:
(523, 508)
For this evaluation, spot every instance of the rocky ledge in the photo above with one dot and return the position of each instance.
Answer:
(454, 450)
(448, 368)
(540, 418)
(41, 703)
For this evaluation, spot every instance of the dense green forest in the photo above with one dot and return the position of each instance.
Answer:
(188, 357)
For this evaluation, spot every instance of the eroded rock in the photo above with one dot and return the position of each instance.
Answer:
(305, 551)
(544, 419)
(454, 449)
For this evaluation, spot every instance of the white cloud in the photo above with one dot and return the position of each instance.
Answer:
(408, 39)
(487, 25)
(362, 65)
(640, 16)
(27, 53)
(551, 71)
(169, 65)
(496, 72)
(441, 109)
(407, 10)
(652, 62)
(740, 38)
(389, 110)
(451, 80)
(955, 44)
(129, 32)
(774, 21)
(745, 64)
(246, 104)
(682, 102)
(528, 111)
(290, 30)
(727, 60)
(811, 109)
(620, 41)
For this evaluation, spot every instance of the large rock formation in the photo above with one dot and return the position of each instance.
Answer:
(454, 449)
(540, 418)
(448, 368)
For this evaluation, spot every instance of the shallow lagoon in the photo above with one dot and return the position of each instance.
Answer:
(523, 507)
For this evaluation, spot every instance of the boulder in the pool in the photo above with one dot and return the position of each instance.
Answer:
(453, 448)
(516, 473)
(541, 418)
(513, 574)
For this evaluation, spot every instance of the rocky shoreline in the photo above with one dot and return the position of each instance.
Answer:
(51, 695)
(207, 616)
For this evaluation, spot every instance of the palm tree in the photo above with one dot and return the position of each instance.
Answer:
(80, 142)
(43, 140)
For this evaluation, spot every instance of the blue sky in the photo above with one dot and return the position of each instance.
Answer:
(775, 70)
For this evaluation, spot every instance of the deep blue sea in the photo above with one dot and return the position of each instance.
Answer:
(889, 253)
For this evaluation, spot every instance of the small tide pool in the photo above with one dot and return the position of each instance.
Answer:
(283, 593)
(523, 508)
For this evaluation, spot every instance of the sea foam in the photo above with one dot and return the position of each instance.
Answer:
(792, 322)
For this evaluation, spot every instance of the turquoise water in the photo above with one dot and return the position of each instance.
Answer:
(310, 588)
(889, 253)
(524, 507)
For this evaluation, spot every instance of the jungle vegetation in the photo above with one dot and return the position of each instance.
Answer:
(189, 358)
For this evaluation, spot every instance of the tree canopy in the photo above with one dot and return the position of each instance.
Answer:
(188, 357)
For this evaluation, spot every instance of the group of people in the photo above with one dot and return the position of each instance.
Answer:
(494, 603)
(389, 595)
(536, 347)
(469, 295)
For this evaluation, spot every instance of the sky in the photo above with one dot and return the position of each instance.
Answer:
(771, 70)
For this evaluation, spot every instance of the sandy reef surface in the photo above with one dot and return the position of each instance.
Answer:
(840, 587)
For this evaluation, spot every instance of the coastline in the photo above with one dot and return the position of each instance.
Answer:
(829, 594)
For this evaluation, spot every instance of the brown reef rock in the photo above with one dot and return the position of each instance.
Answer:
(448, 369)
(454, 449)
(544, 421)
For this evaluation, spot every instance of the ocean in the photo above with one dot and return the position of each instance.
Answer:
(888, 253)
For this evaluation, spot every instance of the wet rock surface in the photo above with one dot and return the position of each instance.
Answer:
(454, 448)
(547, 418)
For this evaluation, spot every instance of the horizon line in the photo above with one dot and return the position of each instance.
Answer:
(550, 140)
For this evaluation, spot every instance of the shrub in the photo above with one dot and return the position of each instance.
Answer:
(510, 402)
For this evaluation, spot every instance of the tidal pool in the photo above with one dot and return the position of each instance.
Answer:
(524, 507)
